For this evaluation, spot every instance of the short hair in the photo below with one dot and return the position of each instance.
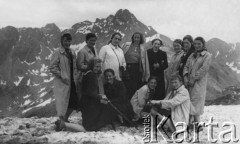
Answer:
(161, 43)
(109, 70)
(141, 37)
(152, 78)
(92, 62)
(176, 77)
(113, 35)
(178, 41)
(202, 40)
(67, 35)
(90, 35)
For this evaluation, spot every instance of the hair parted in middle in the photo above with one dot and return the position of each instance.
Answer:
(157, 39)
(190, 39)
(113, 35)
(141, 37)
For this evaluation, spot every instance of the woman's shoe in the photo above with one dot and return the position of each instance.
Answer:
(59, 125)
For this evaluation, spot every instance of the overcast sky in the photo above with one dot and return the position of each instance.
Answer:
(173, 18)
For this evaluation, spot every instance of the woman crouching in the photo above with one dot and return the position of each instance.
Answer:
(95, 111)
(115, 91)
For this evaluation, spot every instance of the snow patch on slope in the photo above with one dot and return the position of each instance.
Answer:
(120, 32)
(217, 54)
(48, 80)
(153, 37)
(27, 96)
(231, 65)
(18, 81)
(77, 47)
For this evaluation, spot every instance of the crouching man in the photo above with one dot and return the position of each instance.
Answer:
(176, 104)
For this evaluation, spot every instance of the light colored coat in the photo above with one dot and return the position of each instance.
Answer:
(60, 68)
(173, 68)
(145, 66)
(174, 63)
(139, 100)
(179, 105)
(201, 65)
(110, 60)
(84, 55)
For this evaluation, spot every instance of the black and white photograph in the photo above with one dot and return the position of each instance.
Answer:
(119, 71)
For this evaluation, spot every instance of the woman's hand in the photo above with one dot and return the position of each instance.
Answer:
(197, 75)
(154, 102)
(156, 65)
(104, 99)
(153, 111)
(191, 83)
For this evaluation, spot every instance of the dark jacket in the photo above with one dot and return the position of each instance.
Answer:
(95, 115)
(116, 93)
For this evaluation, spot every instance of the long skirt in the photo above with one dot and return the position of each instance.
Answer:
(96, 115)
(135, 81)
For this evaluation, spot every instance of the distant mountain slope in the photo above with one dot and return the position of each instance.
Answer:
(26, 84)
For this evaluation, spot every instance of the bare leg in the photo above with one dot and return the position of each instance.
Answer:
(170, 125)
(191, 119)
(74, 127)
(160, 117)
(197, 118)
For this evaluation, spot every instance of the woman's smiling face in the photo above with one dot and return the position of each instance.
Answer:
(198, 45)
(109, 77)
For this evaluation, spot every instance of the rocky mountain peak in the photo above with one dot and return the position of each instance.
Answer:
(125, 15)
(51, 28)
(26, 52)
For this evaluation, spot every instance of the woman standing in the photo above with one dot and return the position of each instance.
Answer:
(63, 67)
(195, 74)
(188, 49)
(116, 92)
(157, 61)
(174, 62)
(112, 55)
(84, 55)
(134, 53)
(87, 52)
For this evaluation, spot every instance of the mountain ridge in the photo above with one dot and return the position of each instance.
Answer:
(26, 84)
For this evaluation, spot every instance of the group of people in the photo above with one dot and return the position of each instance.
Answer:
(124, 83)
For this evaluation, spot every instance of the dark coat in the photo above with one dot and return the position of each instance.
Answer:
(183, 62)
(95, 115)
(161, 58)
(116, 93)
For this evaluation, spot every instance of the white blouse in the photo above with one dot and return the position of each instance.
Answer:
(112, 57)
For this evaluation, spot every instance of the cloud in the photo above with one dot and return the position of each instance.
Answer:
(174, 18)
